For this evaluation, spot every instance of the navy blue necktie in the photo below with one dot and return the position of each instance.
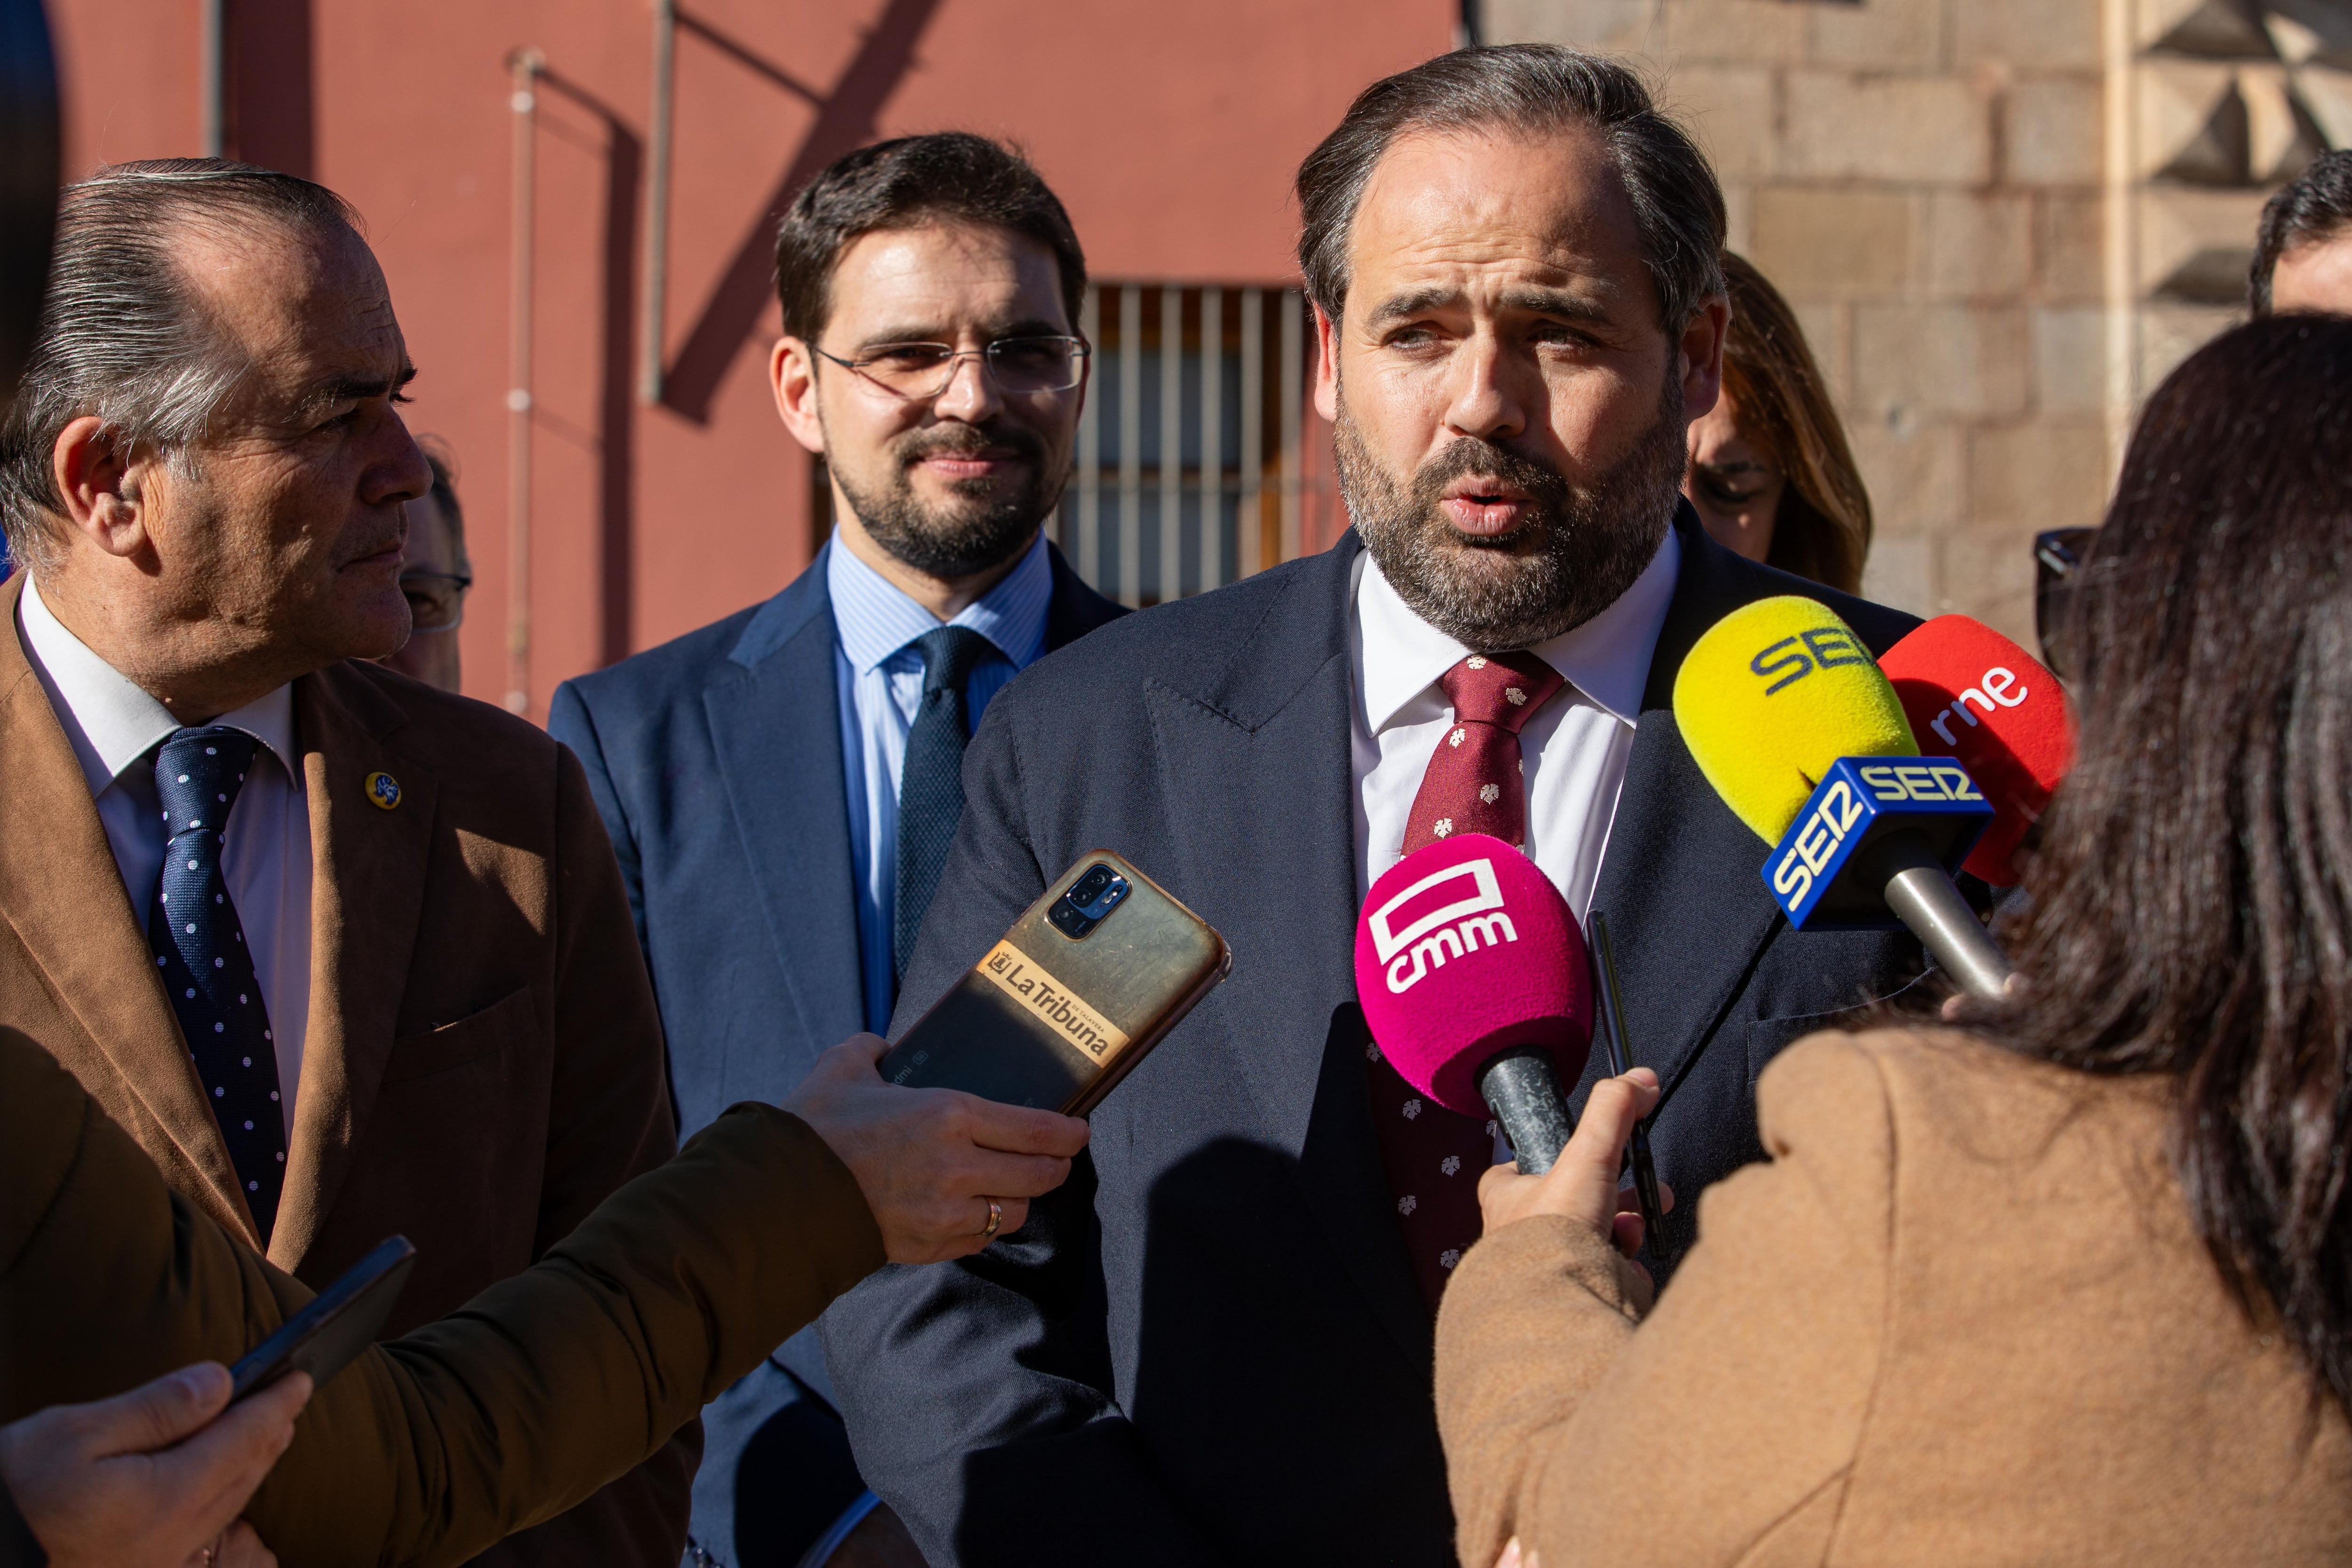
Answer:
(930, 785)
(207, 967)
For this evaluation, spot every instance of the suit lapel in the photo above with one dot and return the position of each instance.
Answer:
(1679, 881)
(367, 897)
(1074, 609)
(62, 892)
(1260, 796)
(775, 727)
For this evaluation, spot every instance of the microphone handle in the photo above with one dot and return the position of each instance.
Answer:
(1920, 892)
(1521, 1088)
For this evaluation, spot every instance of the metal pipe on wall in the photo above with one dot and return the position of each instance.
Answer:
(213, 63)
(523, 101)
(1171, 444)
(650, 370)
(1130, 445)
(1250, 518)
(1212, 437)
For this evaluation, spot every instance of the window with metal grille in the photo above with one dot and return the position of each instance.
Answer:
(1201, 459)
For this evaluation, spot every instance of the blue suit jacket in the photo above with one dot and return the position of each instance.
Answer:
(1208, 1347)
(716, 762)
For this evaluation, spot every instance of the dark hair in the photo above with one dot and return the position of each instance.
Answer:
(444, 463)
(1538, 88)
(948, 176)
(2189, 909)
(2314, 209)
(122, 335)
(1821, 531)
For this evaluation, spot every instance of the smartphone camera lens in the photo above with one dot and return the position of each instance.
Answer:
(1092, 897)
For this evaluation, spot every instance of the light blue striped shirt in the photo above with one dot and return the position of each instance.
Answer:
(879, 676)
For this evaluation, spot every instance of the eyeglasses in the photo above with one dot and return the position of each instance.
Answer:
(436, 600)
(1019, 366)
(2058, 557)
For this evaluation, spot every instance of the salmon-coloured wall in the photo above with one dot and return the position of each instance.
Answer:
(1170, 132)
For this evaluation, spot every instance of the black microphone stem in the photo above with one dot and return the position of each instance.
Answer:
(1612, 1012)
(1521, 1088)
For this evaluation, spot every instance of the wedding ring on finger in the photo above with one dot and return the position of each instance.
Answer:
(995, 1218)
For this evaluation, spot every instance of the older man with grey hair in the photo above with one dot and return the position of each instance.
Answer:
(1214, 1344)
(348, 956)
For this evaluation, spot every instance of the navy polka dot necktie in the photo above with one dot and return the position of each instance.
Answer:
(207, 968)
(930, 783)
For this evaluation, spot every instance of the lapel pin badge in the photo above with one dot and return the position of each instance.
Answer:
(382, 790)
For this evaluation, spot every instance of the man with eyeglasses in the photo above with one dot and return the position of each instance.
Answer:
(783, 786)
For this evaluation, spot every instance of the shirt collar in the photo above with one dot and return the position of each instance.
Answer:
(874, 618)
(1607, 658)
(112, 721)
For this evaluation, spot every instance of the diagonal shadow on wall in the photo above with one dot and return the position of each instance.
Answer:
(616, 426)
(271, 85)
(845, 121)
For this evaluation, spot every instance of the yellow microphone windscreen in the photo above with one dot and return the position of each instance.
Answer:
(1773, 694)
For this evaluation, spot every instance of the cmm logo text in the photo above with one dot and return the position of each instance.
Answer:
(1473, 914)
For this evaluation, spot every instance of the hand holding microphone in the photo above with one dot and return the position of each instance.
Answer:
(1581, 1186)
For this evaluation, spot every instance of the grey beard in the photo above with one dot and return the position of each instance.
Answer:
(1573, 557)
(969, 535)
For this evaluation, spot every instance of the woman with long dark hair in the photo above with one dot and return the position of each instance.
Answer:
(2070, 1280)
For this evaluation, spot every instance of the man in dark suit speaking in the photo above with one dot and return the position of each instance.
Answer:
(783, 786)
(1213, 1344)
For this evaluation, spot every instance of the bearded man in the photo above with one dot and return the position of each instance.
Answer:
(1213, 1344)
(782, 787)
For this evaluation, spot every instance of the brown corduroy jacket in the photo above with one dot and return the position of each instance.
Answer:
(1960, 1318)
(483, 1061)
(514, 1407)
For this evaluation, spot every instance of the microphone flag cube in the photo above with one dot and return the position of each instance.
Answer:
(1466, 949)
(1819, 873)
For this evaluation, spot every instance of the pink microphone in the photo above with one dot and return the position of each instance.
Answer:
(1472, 975)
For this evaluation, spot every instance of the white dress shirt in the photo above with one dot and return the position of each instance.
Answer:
(878, 676)
(1574, 748)
(115, 726)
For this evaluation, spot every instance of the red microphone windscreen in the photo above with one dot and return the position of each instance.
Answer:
(1974, 695)
(1466, 949)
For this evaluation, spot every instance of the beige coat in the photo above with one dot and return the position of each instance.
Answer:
(483, 1062)
(1960, 1318)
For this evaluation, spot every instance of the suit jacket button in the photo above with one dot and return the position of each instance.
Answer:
(384, 791)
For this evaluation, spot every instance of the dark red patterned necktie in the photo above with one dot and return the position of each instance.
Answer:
(1475, 785)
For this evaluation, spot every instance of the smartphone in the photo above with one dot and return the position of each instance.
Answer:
(1090, 979)
(341, 1321)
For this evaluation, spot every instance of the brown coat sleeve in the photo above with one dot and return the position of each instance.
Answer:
(609, 1119)
(430, 1448)
(1721, 1430)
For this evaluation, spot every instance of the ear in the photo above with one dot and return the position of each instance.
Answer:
(1701, 356)
(1327, 367)
(792, 376)
(106, 499)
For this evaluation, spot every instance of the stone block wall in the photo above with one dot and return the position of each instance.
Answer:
(2000, 220)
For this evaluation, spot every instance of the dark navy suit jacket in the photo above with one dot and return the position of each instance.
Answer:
(1208, 1347)
(716, 761)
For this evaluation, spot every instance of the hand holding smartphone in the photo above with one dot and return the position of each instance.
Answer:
(1091, 976)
